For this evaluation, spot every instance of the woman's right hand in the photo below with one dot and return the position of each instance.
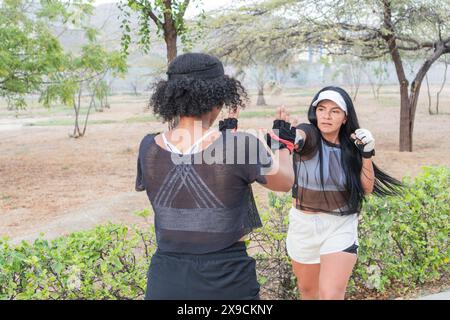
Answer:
(280, 178)
(299, 140)
(283, 133)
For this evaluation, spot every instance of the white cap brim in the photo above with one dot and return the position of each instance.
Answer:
(333, 96)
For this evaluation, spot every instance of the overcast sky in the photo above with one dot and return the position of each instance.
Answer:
(192, 11)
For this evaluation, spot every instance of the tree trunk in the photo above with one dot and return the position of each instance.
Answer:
(261, 101)
(356, 80)
(77, 107)
(76, 129)
(429, 96)
(405, 139)
(442, 86)
(134, 87)
(439, 50)
(87, 115)
(170, 37)
(372, 85)
(406, 128)
(171, 45)
(378, 90)
(408, 104)
(170, 32)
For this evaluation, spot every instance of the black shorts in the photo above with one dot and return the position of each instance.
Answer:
(229, 274)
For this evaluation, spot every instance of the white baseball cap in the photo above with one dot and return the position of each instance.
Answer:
(333, 96)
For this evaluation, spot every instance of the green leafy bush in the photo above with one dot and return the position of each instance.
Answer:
(109, 262)
(268, 247)
(404, 240)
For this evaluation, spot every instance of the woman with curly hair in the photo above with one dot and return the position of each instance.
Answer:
(198, 181)
(334, 171)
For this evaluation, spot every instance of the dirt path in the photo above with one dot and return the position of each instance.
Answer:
(119, 208)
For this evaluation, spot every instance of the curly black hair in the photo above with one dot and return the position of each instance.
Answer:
(187, 94)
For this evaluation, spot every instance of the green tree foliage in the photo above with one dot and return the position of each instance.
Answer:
(32, 60)
(369, 29)
(168, 17)
(28, 50)
(84, 73)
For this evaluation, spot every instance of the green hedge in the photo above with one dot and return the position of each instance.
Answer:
(404, 240)
(403, 244)
(109, 262)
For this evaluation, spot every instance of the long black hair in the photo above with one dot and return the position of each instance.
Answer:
(351, 159)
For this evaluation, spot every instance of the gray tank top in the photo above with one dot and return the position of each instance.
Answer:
(313, 192)
(199, 206)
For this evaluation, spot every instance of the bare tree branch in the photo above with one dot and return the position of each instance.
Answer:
(183, 11)
(152, 16)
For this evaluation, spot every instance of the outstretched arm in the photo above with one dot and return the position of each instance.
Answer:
(280, 175)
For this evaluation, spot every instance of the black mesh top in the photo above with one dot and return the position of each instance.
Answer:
(203, 202)
(313, 193)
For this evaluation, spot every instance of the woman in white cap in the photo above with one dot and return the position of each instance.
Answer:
(333, 172)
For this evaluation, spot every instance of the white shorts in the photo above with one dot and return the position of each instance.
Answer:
(312, 235)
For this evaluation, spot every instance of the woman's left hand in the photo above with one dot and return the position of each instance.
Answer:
(365, 142)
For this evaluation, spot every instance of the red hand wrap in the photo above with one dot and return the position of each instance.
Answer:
(288, 144)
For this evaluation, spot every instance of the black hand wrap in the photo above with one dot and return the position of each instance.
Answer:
(283, 136)
(228, 123)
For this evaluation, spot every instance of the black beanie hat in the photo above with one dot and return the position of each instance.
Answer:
(195, 65)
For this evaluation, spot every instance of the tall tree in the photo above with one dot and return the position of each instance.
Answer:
(84, 75)
(166, 15)
(32, 60)
(28, 51)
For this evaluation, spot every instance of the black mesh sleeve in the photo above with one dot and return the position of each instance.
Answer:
(139, 177)
(140, 182)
